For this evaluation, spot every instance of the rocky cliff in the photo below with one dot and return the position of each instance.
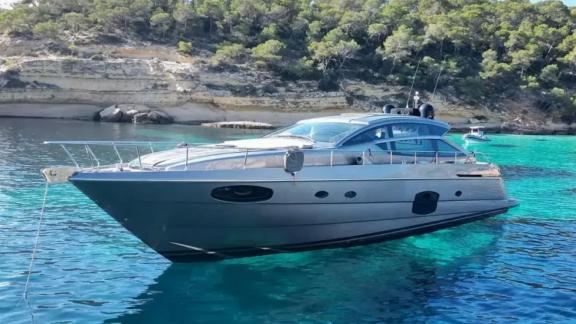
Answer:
(72, 87)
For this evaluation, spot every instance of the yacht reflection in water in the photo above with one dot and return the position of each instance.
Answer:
(386, 282)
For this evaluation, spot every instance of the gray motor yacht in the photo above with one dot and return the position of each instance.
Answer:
(326, 182)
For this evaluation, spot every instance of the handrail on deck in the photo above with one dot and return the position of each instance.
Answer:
(361, 156)
(111, 143)
(95, 162)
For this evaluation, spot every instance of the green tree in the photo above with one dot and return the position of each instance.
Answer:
(549, 74)
(228, 54)
(183, 13)
(74, 21)
(184, 47)
(567, 49)
(269, 32)
(111, 14)
(377, 31)
(401, 44)
(269, 51)
(492, 68)
(161, 22)
(524, 58)
(49, 30)
(334, 48)
(140, 10)
(18, 21)
(214, 10)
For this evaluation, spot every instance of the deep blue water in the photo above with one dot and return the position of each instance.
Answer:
(520, 266)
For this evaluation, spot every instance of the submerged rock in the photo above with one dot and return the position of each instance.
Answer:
(523, 171)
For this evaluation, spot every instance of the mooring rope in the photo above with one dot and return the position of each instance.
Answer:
(34, 252)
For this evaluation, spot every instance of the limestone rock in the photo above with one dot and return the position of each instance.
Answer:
(3, 79)
(111, 115)
(128, 116)
(160, 117)
(5, 74)
(123, 113)
(140, 118)
(153, 117)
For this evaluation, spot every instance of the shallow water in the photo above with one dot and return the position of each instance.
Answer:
(517, 266)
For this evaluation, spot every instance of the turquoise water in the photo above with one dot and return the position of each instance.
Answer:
(514, 267)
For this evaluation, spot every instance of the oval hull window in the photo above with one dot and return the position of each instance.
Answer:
(242, 193)
(425, 202)
(321, 194)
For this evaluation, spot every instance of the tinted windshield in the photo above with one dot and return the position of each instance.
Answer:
(319, 132)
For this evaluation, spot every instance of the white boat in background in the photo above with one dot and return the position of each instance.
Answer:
(476, 134)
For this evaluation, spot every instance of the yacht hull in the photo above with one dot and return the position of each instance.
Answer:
(182, 221)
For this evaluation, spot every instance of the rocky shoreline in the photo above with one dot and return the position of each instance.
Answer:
(151, 90)
(211, 117)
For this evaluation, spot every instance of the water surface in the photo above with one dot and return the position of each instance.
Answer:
(514, 267)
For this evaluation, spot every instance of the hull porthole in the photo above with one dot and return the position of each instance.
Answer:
(321, 194)
(425, 202)
(242, 193)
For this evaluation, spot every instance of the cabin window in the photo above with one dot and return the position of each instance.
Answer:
(445, 149)
(409, 130)
(368, 136)
(319, 131)
(383, 146)
(413, 145)
(242, 193)
(423, 147)
(415, 129)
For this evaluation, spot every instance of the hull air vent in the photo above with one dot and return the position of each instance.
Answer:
(425, 202)
(242, 193)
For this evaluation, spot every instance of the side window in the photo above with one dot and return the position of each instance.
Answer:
(409, 130)
(437, 131)
(370, 135)
(445, 149)
(383, 146)
(408, 147)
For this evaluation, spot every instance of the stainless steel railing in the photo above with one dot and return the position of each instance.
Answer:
(95, 162)
(315, 157)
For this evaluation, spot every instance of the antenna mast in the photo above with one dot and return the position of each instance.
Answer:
(413, 80)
